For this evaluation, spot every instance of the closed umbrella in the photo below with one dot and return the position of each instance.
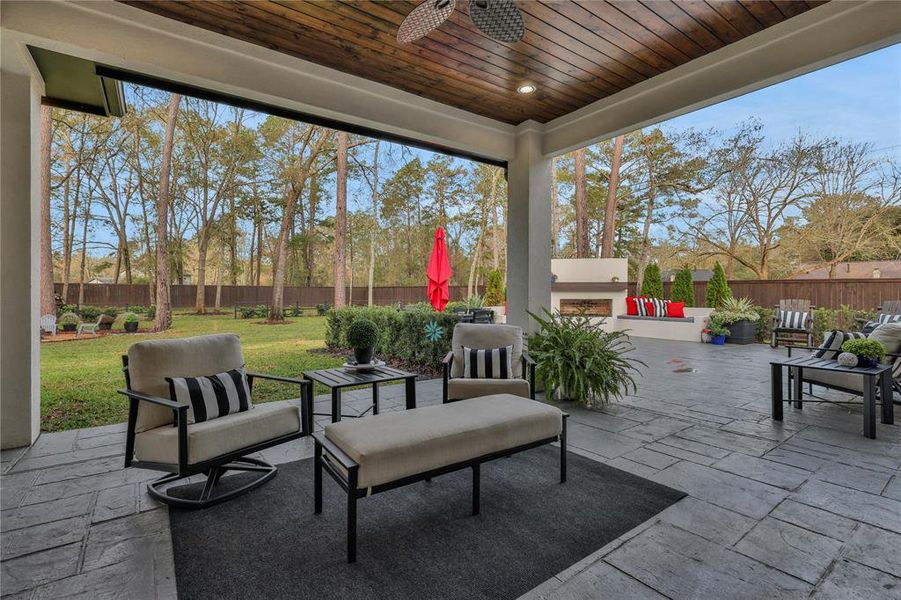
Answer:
(439, 273)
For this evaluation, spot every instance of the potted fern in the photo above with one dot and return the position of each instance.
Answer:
(577, 360)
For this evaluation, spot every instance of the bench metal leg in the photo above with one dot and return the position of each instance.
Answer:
(352, 515)
(317, 479)
(476, 468)
(563, 450)
(799, 387)
(869, 406)
(885, 391)
(776, 391)
(375, 398)
(336, 405)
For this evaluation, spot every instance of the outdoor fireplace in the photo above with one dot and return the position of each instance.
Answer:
(594, 287)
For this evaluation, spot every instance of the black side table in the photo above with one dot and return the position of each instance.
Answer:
(338, 379)
(873, 377)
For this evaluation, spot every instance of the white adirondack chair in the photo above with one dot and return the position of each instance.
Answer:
(48, 324)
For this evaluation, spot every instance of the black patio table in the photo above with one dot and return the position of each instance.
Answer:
(338, 379)
(872, 376)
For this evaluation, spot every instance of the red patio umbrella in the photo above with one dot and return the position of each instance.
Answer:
(439, 273)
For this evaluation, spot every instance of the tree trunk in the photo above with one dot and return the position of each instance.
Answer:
(67, 241)
(200, 297)
(612, 190)
(84, 250)
(645, 256)
(218, 285)
(555, 215)
(375, 223)
(163, 305)
(48, 302)
(340, 221)
(581, 206)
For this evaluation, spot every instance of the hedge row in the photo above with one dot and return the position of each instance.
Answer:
(418, 335)
(824, 319)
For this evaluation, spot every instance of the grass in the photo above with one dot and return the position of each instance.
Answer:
(79, 379)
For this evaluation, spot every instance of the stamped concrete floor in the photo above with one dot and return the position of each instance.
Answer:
(803, 508)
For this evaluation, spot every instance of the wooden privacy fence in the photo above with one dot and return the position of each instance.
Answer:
(183, 296)
(862, 294)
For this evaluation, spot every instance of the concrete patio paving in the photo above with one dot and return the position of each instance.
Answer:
(803, 508)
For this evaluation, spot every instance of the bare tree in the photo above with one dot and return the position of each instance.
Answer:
(375, 222)
(48, 303)
(163, 304)
(581, 205)
(606, 249)
(340, 266)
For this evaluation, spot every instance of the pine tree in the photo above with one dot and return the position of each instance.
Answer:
(652, 285)
(717, 288)
(683, 289)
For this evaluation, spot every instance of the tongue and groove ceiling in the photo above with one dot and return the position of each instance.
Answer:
(574, 52)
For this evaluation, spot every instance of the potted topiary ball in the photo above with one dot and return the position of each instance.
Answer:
(130, 322)
(868, 352)
(362, 335)
(68, 321)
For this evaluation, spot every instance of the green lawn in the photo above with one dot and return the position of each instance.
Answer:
(79, 379)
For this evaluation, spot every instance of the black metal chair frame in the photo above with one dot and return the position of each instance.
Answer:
(528, 369)
(345, 471)
(215, 468)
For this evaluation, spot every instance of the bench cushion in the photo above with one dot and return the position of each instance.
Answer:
(211, 439)
(395, 445)
(462, 389)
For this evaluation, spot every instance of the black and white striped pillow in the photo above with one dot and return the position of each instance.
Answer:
(488, 363)
(882, 319)
(212, 396)
(832, 343)
(792, 319)
(658, 307)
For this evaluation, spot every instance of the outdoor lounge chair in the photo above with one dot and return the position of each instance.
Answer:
(48, 324)
(160, 437)
(793, 323)
(457, 386)
(93, 327)
(889, 310)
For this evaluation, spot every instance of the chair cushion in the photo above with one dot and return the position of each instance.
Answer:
(395, 445)
(210, 439)
(832, 343)
(848, 381)
(488, 363)
(889, 335)
(212, 396)
(461, 388)
(149, 363)
(792, 319)
(481, 335)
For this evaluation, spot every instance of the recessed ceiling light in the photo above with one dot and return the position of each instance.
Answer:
(526, 88)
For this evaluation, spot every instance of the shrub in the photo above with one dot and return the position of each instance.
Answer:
(865, 348)
(295, 311)
(129, 317)
(418, 335)
(576, 357)
(362, 333)
(68, 318)
(652, 285)
(734, 310)
(138, 309)
(66, 308)
(250, 312)
(151, 312)
(474, 301)
(764, 323)
(322, 309)
(717, 288)
(110, 311)
(717, 328)
(89, 313)
(494, 288)
(683, 289)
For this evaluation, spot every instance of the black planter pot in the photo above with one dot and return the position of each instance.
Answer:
(742, 332)
(105, 326)
(363, 356)
(130, 326)
(69, 326)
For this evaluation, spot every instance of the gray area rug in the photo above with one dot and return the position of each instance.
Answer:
(415, 542)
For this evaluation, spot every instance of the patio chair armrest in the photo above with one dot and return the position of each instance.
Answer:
(529, 365)
(176, 406)
(448, 359)
(306, 396)
(527, 358)
(293, 380)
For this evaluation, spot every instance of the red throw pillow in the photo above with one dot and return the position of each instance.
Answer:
(632, 305)
(675, 310)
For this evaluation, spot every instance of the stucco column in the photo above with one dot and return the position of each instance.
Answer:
(528, 228)
(20, 395)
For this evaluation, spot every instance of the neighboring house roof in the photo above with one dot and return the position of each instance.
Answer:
(865, 269)
(696, 275)
(103, 279)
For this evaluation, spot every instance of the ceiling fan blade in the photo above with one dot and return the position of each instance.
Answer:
(423, 19)
(498, 19)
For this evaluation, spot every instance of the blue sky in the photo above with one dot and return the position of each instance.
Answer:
(858, 100)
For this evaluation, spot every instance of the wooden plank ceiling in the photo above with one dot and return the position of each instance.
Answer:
(575, 52)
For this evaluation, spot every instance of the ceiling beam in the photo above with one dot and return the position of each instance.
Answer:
(820, 37)
(131, 39)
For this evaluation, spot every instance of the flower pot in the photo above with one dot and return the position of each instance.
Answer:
(69, 326)
(130, 326)
(705, 337)
(742, 332)
(363, 356)
(105, 326)
(717, 340)
(866, 362)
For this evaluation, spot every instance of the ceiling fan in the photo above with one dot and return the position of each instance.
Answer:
(498, 19)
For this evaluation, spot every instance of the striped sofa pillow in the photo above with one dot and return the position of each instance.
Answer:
(488, 363)
(832, 343)
(212, 396)
(652, 307)
(792, 319)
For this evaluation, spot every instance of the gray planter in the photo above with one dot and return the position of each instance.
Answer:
(742, 332)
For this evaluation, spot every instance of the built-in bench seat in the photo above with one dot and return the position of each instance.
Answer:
(671, 319)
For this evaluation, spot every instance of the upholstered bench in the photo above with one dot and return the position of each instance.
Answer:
(386, 451)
